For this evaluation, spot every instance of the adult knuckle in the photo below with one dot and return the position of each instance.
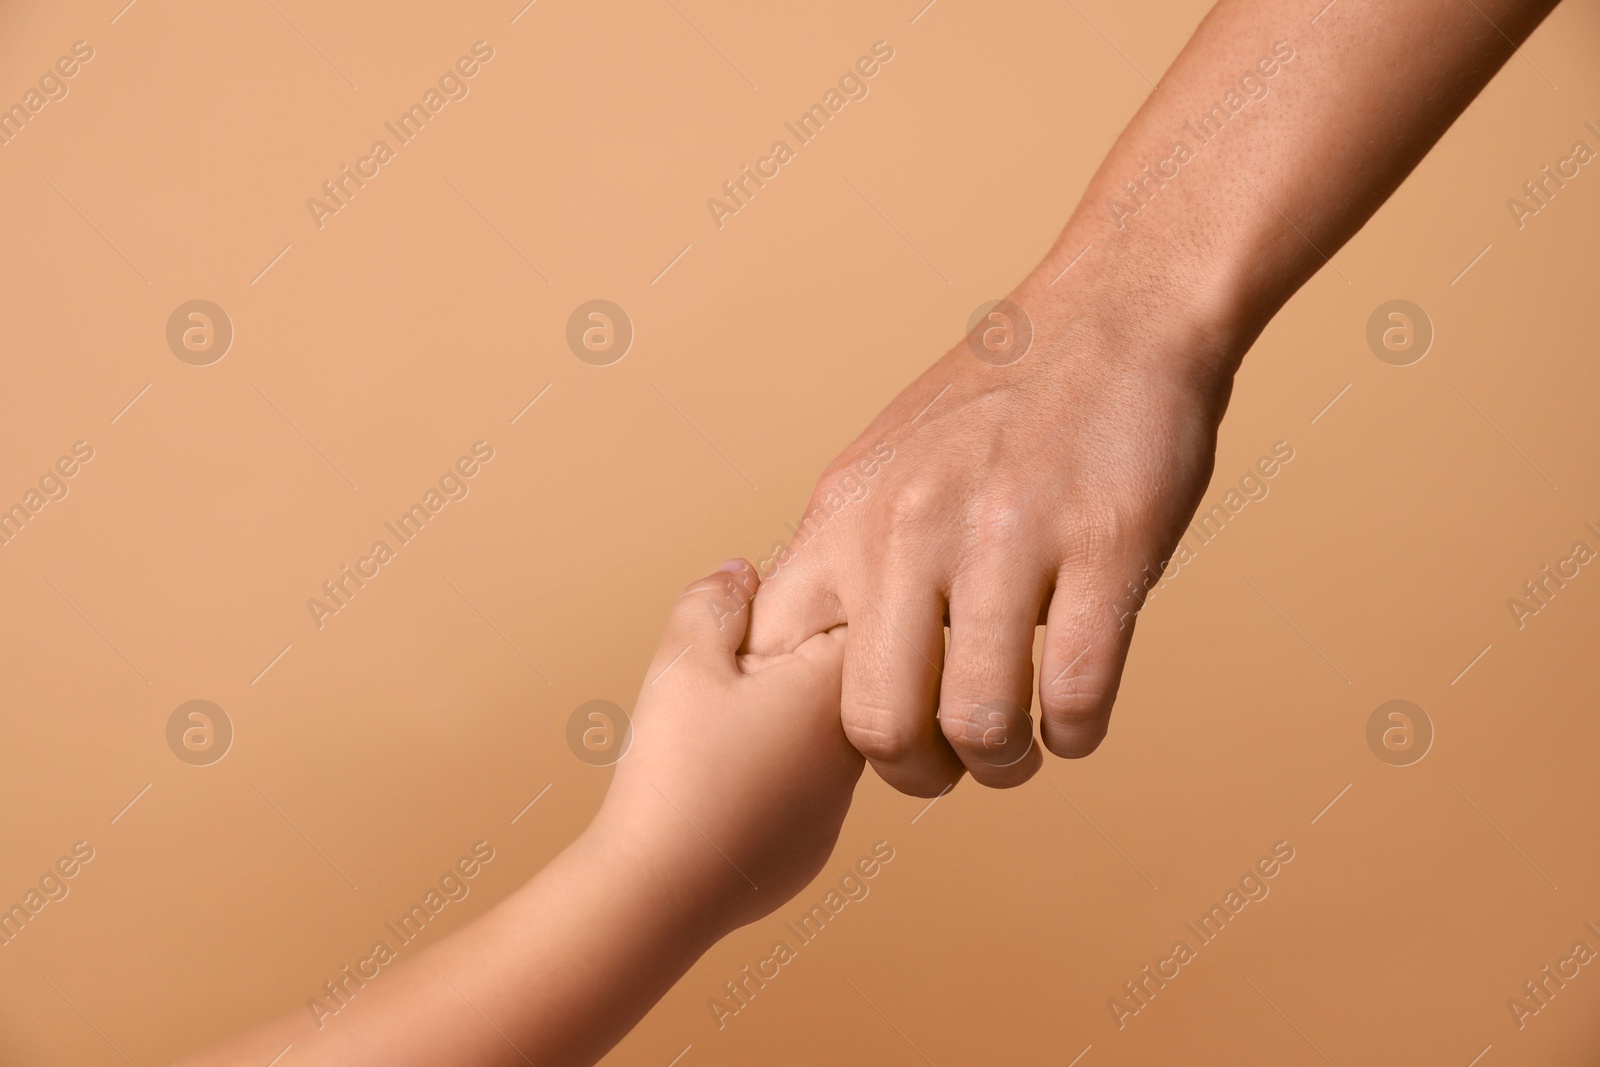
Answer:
(1000, 520)
(963, 725)
(913, 505)
(838, 468)
(1074, 698)
(881, 737)
(977, 730)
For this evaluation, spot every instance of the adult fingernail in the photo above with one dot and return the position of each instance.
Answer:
(731, 565)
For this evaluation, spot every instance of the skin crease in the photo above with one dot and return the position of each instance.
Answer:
(1019, 495)
(1033, 494)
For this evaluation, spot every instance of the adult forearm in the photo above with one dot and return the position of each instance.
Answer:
(1268, 144)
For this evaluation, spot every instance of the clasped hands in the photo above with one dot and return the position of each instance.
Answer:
(994, 496)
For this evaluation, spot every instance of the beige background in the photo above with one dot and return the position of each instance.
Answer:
(425, 717)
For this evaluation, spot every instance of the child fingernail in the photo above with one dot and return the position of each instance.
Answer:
(731, 565)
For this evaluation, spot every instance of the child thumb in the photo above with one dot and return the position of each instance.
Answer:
(714, 612)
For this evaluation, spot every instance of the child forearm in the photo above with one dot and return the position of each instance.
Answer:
(554, 975)
(729, 800)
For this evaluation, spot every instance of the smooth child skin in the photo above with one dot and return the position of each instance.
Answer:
(727, 803)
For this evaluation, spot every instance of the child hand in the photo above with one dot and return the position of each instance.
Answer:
(738, 776)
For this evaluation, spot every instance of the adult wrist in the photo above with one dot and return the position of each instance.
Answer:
(1207, 279)
(1139, 317)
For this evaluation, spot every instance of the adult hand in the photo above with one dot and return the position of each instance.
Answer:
(1050, 490)
(998, 498)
